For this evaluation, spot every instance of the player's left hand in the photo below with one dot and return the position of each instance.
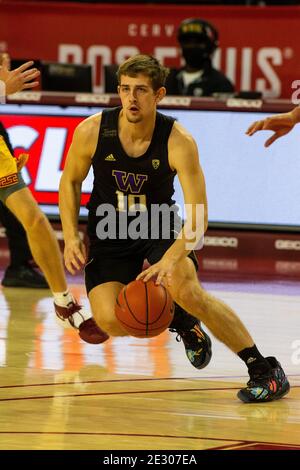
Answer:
(163, 270)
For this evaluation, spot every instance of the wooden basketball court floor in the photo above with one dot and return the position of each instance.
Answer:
(57, 392)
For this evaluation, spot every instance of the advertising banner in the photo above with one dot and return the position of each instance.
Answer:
(245, 183)
(259, 46)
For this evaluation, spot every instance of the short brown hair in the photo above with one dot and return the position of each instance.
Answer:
(146, 65)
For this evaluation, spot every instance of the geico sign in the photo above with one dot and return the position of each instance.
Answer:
(287, 245)
(225, 242)
(239, 62)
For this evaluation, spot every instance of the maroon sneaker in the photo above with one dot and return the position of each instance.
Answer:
(87, 329)
(90, 332)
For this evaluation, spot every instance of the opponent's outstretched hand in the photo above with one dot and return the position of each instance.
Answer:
(22, 78)
(281, 124)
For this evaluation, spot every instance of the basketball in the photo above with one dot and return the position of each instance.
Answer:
(144, 309)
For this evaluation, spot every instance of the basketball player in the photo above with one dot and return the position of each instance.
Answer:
(18, 79)
(20, 272)
(43, 244)
(135, 153)
(281, 124)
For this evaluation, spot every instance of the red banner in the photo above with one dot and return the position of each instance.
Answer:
(259, 46)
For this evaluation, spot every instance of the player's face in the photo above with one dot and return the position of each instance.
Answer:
(138, 98)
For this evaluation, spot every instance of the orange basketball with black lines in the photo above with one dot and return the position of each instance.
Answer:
(144, 309)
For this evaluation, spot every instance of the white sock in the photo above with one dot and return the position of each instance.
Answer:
(79, 317)
(63, 298)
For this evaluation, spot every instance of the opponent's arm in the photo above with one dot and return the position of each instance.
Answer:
(281, 124)
(78, 163)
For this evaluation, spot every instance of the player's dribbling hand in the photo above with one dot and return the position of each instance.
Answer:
(75, 255)
(163, 270)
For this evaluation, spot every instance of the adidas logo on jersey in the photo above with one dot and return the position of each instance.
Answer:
(110, 158)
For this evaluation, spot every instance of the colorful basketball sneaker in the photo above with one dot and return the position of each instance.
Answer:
(266, 387)
(196, 342)
(75, 316)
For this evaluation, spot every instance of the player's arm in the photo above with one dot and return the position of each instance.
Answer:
(77, 165)
(184, 159)
(281, 124)
(24, 77)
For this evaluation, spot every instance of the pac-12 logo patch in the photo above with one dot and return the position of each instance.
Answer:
(155, 164)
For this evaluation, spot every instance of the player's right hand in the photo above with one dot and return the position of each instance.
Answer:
(75, 255)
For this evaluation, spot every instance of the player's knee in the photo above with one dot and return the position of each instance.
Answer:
(111, 326)
(184, 295)
(191, 296)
